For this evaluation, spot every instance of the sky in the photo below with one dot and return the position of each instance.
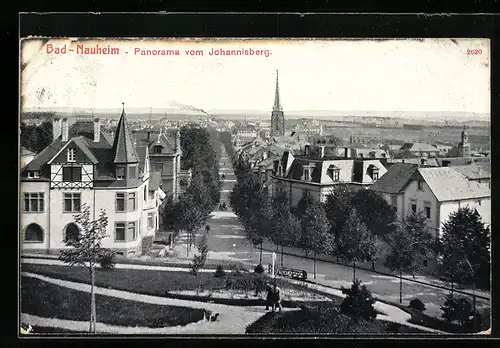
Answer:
(344, 75)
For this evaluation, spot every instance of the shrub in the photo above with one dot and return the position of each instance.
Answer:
(358, 302)
(417, 305)
(259, 269)
(107, 259)
(219, 272)
(456, 309)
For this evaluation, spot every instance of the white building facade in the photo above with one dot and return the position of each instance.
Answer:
(88, 169)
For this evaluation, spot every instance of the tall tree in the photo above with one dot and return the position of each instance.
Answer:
(410, 243)
(464, 251)
(465, 239)
(356, 243)
(199, 155)
(86, 250)
(285, 227)
(375, 212)
(315, 230)
(337, 208)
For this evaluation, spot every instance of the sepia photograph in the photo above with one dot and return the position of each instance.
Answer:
(255, 187)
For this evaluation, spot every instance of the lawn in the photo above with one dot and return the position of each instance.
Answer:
(52, 301)
(323, 318)
(149, 282)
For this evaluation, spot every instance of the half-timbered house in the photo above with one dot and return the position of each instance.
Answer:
(83, 165)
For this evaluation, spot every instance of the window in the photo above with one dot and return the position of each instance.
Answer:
(145, 193)
(120, 202)
(151, 220)
(120, 173)
(427, 208)
(72, 232)
(120, 232)
(125, 201)
(34, 202)
(157, 149)
(333, 173)
(306, 174)
(72, 174)
(413, 206)
(420, 184)
(132, 232)
(132, 172)
(72, 202)
(71, 155)
(375, 175)
(33, 233)
(131, 202)
(34, 175)
(478, 202)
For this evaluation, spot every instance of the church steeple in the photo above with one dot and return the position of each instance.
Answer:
(277, 116)
(123, 145)
(277, 104)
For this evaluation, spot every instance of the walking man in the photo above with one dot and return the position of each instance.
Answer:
(269, 296)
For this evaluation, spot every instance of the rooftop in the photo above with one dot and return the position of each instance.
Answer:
(396, 179)
(447, 184)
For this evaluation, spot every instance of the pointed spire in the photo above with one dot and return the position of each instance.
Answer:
(123, 145)
(277, 104)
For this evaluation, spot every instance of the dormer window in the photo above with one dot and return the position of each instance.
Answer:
(157, 149)
(307, 173)
(120, 173)
(34, 175)
(334, 173)
(71, 155)
(373, 172)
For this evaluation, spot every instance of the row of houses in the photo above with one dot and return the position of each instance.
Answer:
(128, 175)
(437, 189)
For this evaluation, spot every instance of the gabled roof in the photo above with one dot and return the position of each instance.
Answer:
(396, 179)
(419, 147)
(43, 157)
(474, 171)
(123, 145)
(449, 185)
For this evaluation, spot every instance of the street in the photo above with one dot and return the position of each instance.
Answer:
(226, 241)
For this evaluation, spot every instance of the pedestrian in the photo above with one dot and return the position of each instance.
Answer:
(269, 296)
(277, 298)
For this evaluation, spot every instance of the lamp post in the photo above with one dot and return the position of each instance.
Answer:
(273, 269)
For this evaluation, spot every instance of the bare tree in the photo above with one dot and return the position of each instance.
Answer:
(86, 250)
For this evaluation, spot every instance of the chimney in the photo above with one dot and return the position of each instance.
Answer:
(56, 128)
(97, 130)
(346, 152)
(322, 151)
(149, 136)
(307, 149)
(65, 129)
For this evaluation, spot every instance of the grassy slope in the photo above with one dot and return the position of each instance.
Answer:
(144, 281)
(52, 301)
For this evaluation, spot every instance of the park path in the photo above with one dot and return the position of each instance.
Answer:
(232, 319)
(240, 317)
